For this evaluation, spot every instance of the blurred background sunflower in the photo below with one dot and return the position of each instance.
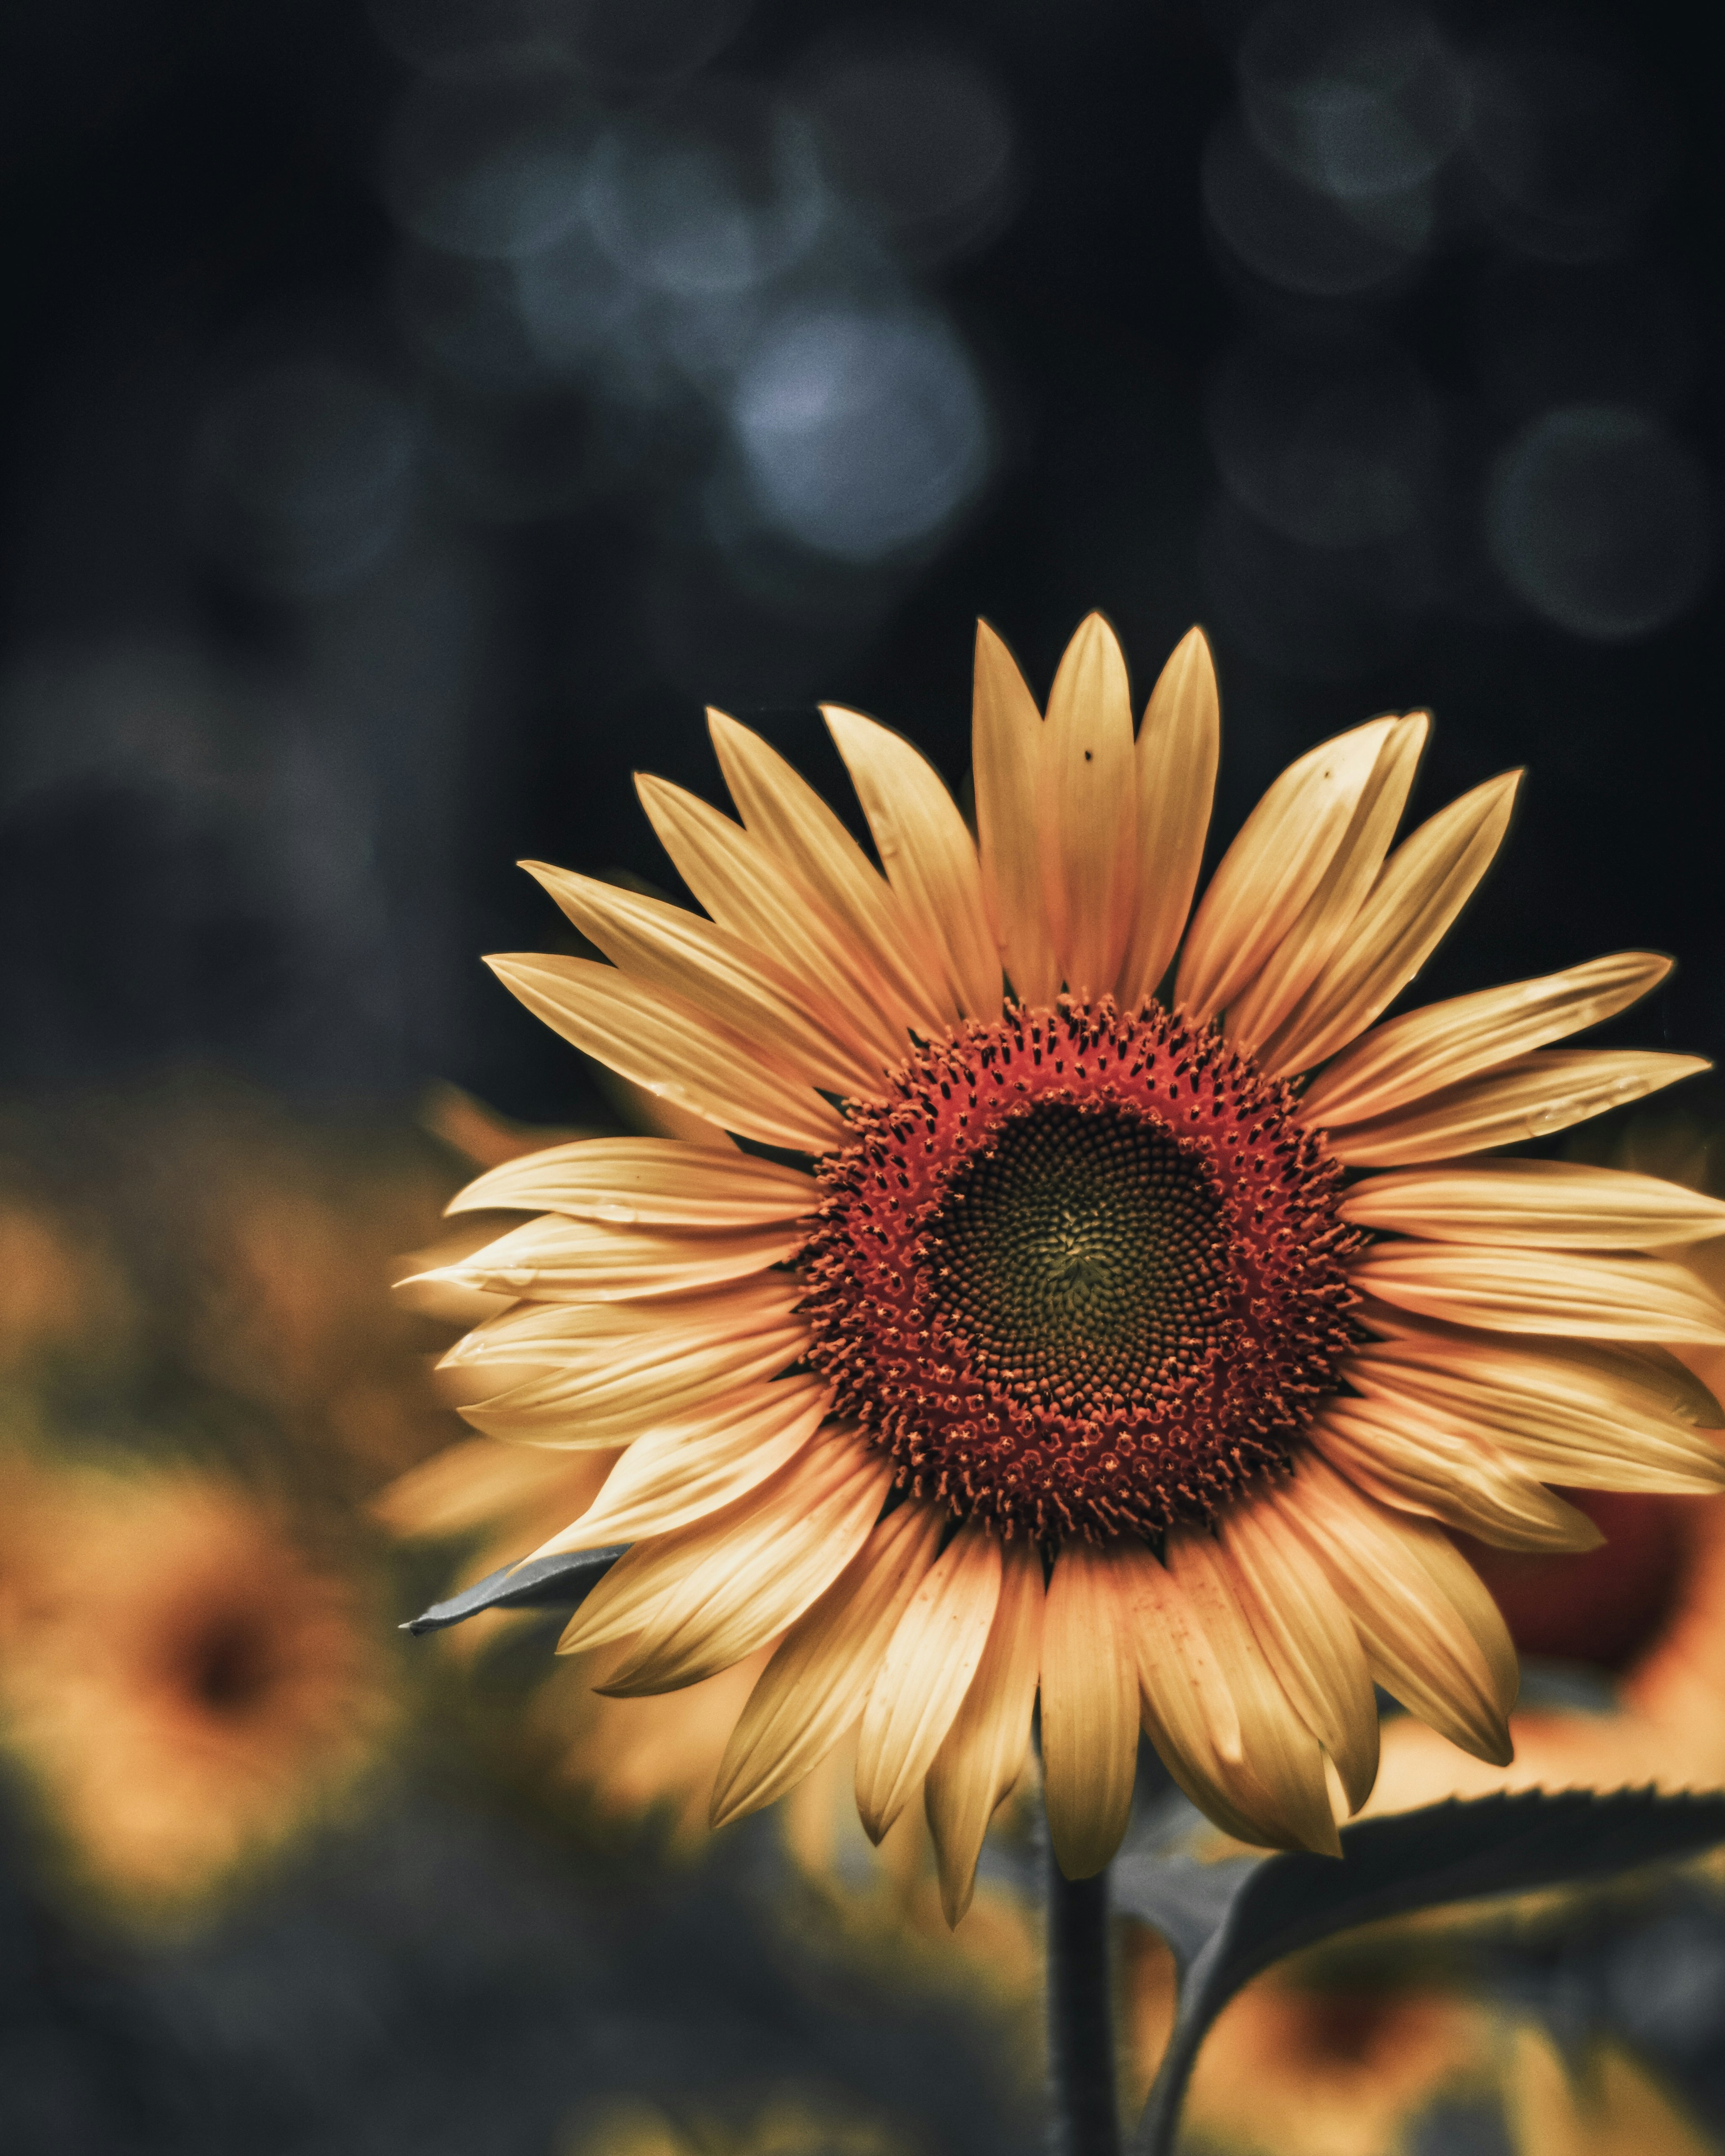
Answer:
(412, 414)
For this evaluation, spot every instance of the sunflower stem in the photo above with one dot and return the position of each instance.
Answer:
(1084, 2111)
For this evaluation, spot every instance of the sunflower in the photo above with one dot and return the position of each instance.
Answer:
(1024, 1326)
(186, 1686)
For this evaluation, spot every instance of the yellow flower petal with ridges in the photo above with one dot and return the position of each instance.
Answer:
(1419, 1463)
(1427, 1051)
(925, 1673)
(1090, 814)
(1267, 875)
(645, 1182)
(1551, 1204)
(1008, 759)
(1532, 1096)
(1307, 1637)
(1178, 746)
(926, 852)
(1089, 1704)
(814, 1687)
(982, 1754)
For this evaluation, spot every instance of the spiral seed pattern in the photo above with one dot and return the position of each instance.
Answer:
(1083, 1252)
(1080, 1273)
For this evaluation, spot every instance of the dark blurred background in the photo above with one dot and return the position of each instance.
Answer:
(410, 415)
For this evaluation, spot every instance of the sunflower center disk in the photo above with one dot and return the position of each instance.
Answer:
(1080, 1254)
(1080, 1273)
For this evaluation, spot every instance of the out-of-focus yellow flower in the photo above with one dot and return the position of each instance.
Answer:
(1319, 2059)
(1610, 2107)
(787, 2126)
(61, 1290)
(184, 1685)
(1313, 2069)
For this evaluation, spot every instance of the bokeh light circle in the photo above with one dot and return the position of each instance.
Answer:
(1599, 520)
(863, 434)
(1358, 99)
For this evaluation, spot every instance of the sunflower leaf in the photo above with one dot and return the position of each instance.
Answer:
(1259, 1910)
(543, 1582)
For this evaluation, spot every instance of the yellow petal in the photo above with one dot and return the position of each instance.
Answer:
(789, 818)
(647, 1181)
(717, 973)
(1175, 772)
(1432, 1635)
(1273, 867)
(669, 1048)
(926, 852)
(1007, 755)
(1330, 912)
(1551, 1291)
(1425, 885)
(1427, 1463)
(601, 1338)
(583, 1407)
(678, 1473)
(813, 1688)
(925, 1673)
(740, 884)
(1430, 1050)
(1307, 1637)
(1089, 1704)
(1189, 1712)
(1556, 1204)
(1091, 814)
(1279, 1776)
(475, 1484)
(707, 1595)
(557, 1258)
(982, 1754)
(1530, 1097)
(1609, 1422)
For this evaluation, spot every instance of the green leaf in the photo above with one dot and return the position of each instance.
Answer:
(1227, 1927)
(543, 1582)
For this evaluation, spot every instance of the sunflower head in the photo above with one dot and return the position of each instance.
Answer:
(185, 1683)
(1057, 1288)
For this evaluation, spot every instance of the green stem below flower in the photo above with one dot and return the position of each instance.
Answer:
(1084, 2110)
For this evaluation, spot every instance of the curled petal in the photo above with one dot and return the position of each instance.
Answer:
(982, 1754)
(1418, 1463)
